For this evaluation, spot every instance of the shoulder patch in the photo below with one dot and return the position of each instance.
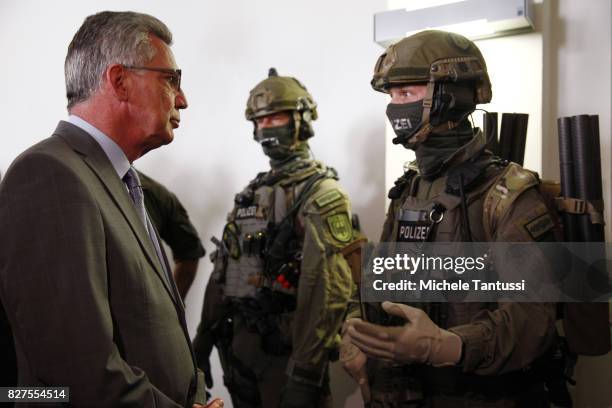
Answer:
(340, 226)
(510, 184)
(539, 226)
(328, 198)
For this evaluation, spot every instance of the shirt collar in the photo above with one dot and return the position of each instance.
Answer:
(117, 157)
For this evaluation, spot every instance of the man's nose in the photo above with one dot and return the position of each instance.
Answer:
(181, 100)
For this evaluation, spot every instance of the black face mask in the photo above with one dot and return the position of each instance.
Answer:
(433, 154)
(277, 142)
(405, 119)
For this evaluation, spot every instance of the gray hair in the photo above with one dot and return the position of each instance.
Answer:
(108, 38)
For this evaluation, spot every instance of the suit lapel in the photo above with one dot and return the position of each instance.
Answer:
(96, 159)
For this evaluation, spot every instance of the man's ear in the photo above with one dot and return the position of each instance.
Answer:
(117, 82)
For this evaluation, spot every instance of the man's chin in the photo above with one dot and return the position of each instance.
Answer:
(163, 139)
(157, 142)
(168, 139)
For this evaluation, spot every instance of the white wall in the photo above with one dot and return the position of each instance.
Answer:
(224, 49)
(578, 77)
(578, 80)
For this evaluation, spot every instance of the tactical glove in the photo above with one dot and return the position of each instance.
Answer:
(419, 340)
(203, 344)
(354, 363)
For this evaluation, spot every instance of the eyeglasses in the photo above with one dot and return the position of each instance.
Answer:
(175, 74)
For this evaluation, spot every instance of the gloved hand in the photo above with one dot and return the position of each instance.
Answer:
(203, 345)
(419, 340)
(205, 367)
(202, 393)
(296, 394)
(354, 363)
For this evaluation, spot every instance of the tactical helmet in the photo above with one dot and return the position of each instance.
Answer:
(279, 93)
(436, 57)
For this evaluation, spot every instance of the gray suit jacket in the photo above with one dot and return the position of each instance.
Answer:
(82, 285)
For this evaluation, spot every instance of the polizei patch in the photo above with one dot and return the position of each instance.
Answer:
(246, 212)
(412, 226)
(412, 231)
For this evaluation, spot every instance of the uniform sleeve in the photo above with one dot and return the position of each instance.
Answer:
(214, 310)
(325, 285)
(53, 284)
(515, 334)
(172, 221)
(354, 308)
(387, 230)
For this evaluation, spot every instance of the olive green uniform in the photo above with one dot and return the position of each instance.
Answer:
(279, 319)
(171, 220)
(500, 341)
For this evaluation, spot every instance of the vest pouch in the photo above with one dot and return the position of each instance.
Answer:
(272, 302)
(219, 266)
(282, 254)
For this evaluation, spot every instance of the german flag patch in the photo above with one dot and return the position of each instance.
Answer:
(340, 227)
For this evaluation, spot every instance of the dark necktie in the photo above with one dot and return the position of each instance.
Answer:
(132, 181)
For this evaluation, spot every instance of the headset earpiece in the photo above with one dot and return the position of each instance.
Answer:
(452, 102)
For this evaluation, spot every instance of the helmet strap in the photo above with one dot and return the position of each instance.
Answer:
(423, 133)
(297, 119)
(427, 129)
(428, 102)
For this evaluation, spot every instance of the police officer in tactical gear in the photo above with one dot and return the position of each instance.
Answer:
(278, 294)
(450, 354)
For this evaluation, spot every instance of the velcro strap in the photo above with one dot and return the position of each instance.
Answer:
(353, 246)
(595, 211)
(577, 206)
(570, 205)
(352, 254)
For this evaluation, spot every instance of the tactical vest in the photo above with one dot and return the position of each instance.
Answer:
(439, 216)
(261, 240)
(436, 212)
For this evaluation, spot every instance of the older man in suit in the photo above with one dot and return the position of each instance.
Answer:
(85, 284)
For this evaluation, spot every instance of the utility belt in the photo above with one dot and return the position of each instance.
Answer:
(264, 317)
